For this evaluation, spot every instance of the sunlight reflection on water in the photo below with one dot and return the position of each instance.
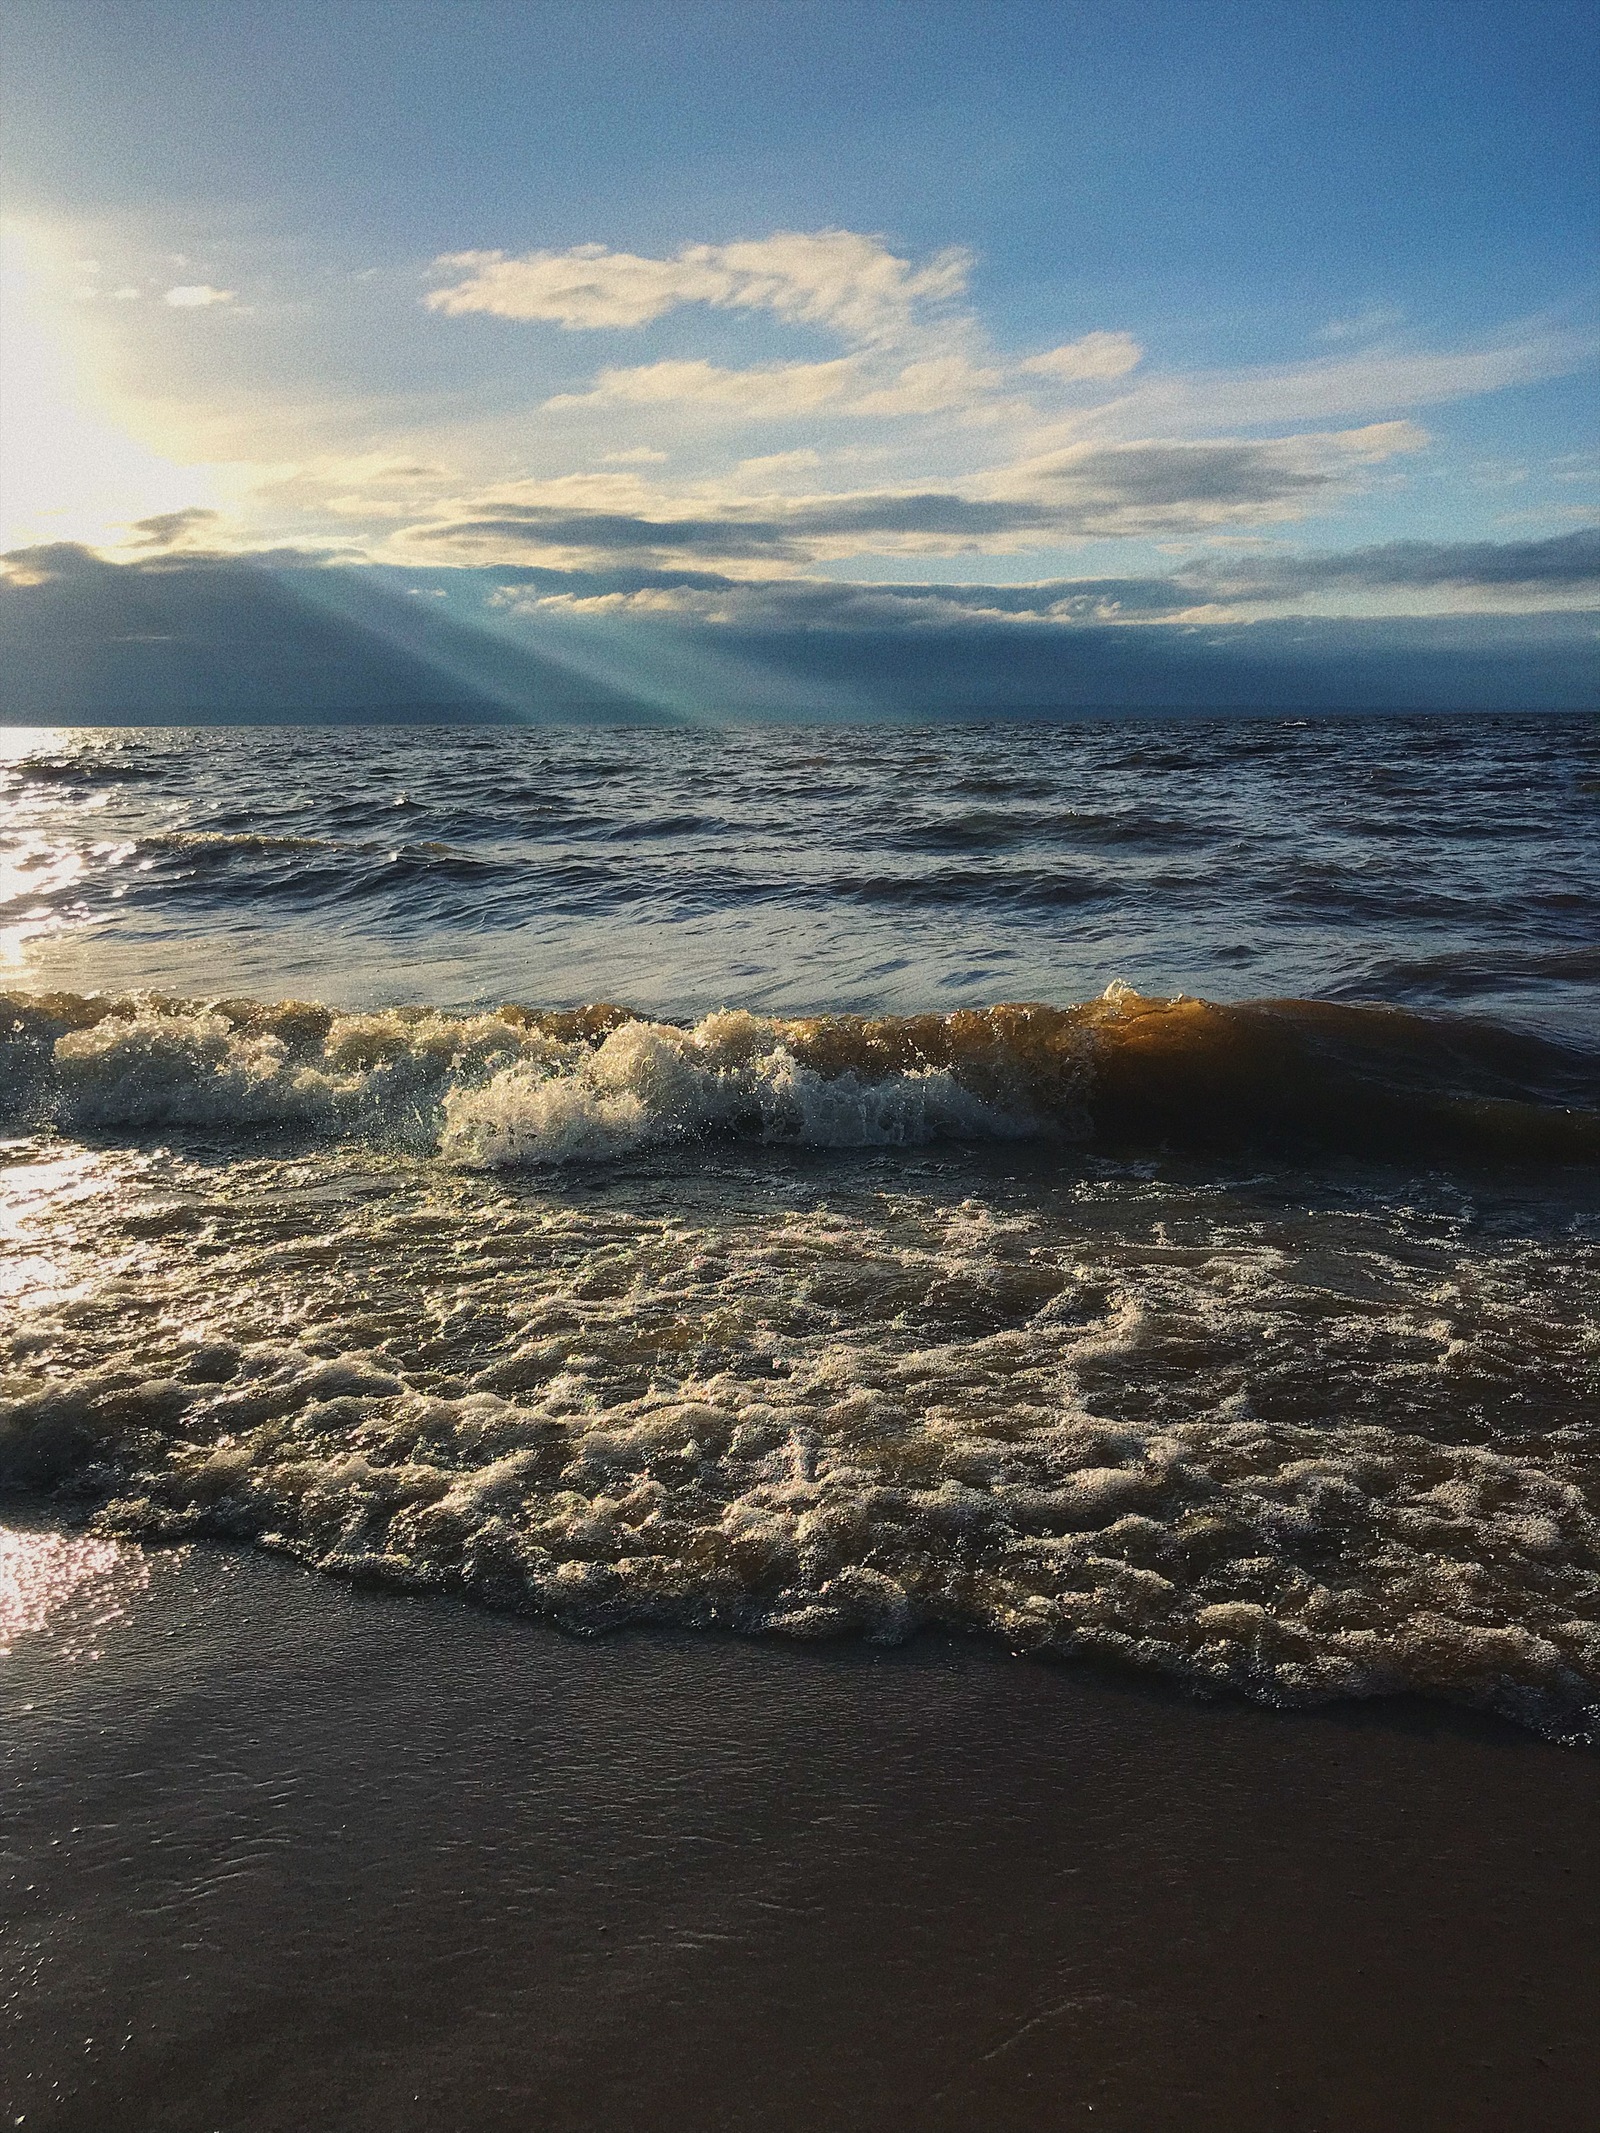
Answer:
(38, 1242)
(74, 1584)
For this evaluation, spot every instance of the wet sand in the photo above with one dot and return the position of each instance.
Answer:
(291, 1855)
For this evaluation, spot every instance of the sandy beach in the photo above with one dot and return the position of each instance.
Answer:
(284, 1853)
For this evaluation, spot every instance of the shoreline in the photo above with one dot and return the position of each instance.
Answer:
(288, 1853)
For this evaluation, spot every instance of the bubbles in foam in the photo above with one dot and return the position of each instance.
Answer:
(494, 1091)
(1303, 1447)
(649, 1083)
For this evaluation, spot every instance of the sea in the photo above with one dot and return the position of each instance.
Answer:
(1121, 1190)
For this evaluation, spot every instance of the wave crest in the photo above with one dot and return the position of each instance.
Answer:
(526, 1087)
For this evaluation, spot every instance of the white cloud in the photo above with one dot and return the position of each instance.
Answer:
(640, 455)
(196, 296)
(835, 278)
(1364, 326)
(945, 384)
(770, 390)
(1097, 355)
(1375, 382)
(847, 386)
(787, 603)
(779, 463)
(913, 355)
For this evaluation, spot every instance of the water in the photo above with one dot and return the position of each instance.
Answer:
(1434, 863)
(1230, 1308)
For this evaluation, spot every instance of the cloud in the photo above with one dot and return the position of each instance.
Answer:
(912, 349)
(767, 464)
(914, 354)
(1097, 355)
(173, 529)
(846, 386)
(1374, 382)
(823, 604)
(835, 278)
(44, 562)
(770, 390)
(931, 440)
(1097, 491)
(1363, 325)
(1506, 575)
(936, 385)
(196, 296)
(1151, 485)
(792, 533)
(1568, 562)
(1565, 563)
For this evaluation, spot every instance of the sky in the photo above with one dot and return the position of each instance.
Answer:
(799, 357)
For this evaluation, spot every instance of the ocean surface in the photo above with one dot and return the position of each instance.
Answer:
(1127, 1189)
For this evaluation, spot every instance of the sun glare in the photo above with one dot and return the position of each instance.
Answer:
(68, 471)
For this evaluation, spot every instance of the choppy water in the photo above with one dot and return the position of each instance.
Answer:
(1437, 864)
(814, 1290)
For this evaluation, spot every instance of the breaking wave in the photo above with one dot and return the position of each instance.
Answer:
(521, 1087)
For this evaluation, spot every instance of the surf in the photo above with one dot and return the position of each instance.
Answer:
(520, 1086)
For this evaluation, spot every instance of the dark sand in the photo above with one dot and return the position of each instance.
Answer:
(292, 1856)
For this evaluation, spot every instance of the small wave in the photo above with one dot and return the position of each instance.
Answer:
(1469, 972)
(990, 829)
(525, 1087)
(226, 842)
(92, 770)
(251, 844)
(964, 888)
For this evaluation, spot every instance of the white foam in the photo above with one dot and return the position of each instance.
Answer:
(1302, 1453)
(488, 1091)
(650, 1083)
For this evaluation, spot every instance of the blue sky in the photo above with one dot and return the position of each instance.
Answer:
(683, 312)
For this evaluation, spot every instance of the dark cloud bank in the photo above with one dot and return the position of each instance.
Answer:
(188, 637)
